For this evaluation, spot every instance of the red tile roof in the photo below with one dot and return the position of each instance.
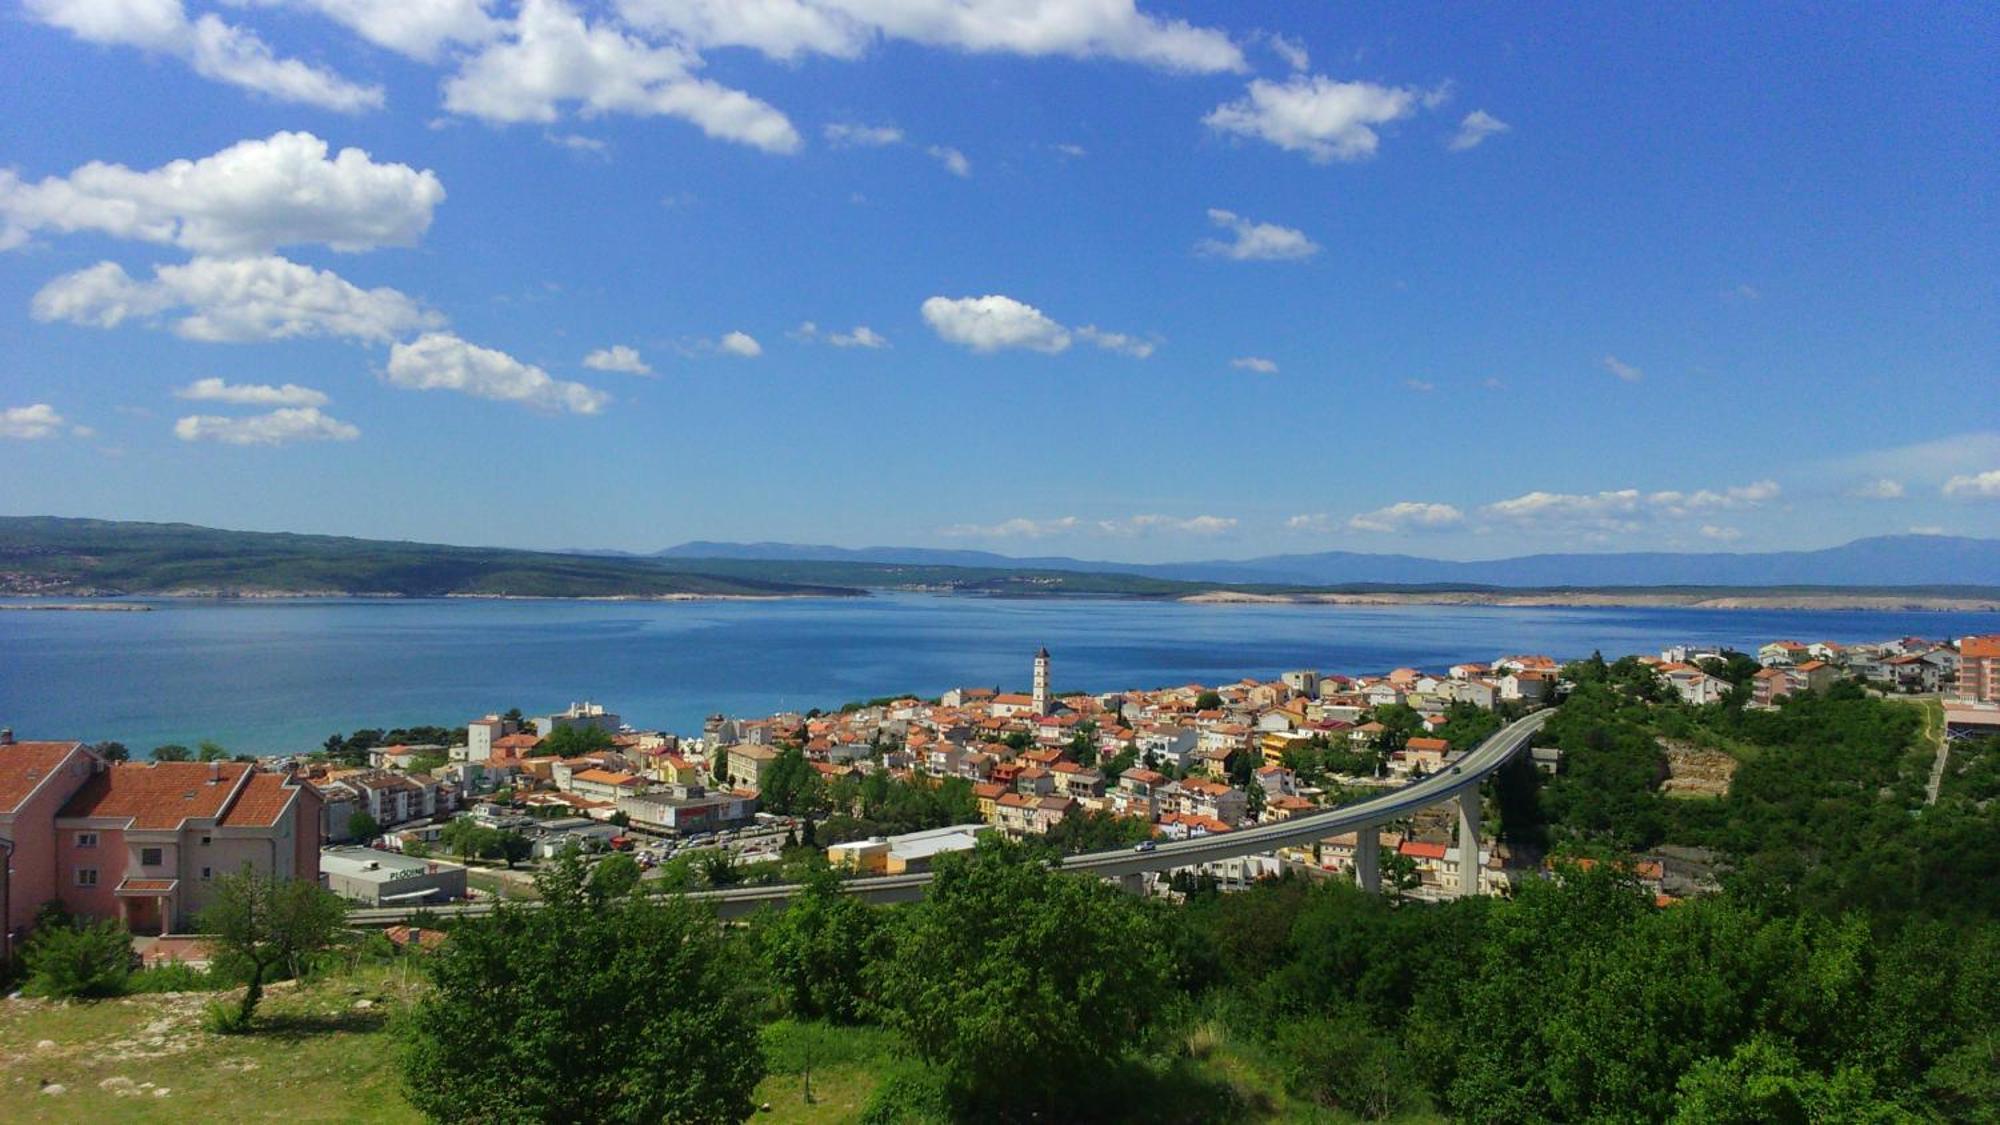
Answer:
(24, 765)
(156, 795)
(261, 803)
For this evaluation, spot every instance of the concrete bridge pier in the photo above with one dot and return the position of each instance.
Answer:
(1133, 884)
(1368, 859)
(1468, 842)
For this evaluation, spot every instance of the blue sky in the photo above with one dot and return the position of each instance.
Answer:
(1153, 282)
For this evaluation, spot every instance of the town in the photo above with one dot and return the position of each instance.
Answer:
(881, 787)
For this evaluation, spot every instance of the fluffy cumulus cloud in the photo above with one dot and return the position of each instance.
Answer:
(417, 29)
(30, 423)
(1974, 486)
(861, 337)
(1883, 488)
(993, 323)
(1255, 242)
(953, 160)
(787, 29)
(1626, 509)
(1624, 371)
(279, 427)
(1408, 515)
(1315, 115)
(1474, 129)
(1125, 528)
(1720, 533)
(1117, 342)
(210, 47)
(739, 344)
(251, 394)
(440, 361)
(848, 135)
(1255, 363)
(234, 300)
(551, 57)
(253, 196)
(618, 357)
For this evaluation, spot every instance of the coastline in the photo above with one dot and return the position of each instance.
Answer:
(1605, 600)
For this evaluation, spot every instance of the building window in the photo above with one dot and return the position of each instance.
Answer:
(86, 839)
(86, 876)
(204, 841)
(149, 857)
(207, 874)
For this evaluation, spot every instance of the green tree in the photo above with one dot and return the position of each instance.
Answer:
(208, 750)
(266, 925)
(616, 1010)
(466, 838)
(614, 876)
(361, 826)
(791, 787)
(77, 959)
(1208, 701)
(1022, 983)
(1083, 745)
(172, 752)
(817, 950)
(571, 742)
(112, 751)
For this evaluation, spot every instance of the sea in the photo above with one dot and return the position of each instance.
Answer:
(277, 676)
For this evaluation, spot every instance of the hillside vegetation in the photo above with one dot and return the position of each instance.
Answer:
(41, 555)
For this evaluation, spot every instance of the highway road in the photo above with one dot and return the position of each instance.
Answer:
(1466, 774)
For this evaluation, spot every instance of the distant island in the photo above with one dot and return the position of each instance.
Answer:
(81, 558)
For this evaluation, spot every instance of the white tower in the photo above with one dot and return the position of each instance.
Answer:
(1042, 682)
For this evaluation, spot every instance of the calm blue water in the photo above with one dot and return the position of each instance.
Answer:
(279, 676)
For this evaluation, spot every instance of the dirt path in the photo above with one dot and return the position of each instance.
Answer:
(1934, 729)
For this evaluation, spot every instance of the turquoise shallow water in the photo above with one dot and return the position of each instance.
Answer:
(279, 676)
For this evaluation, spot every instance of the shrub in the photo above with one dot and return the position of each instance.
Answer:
(224, 1018)
(85, 960)
(174, 976)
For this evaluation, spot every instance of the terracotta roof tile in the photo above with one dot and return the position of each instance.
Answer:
(261, 803)
(157, 795)
(24, 765)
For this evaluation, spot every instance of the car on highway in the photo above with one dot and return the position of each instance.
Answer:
(1145, 846)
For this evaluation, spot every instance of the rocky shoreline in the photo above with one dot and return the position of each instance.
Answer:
(1614, 600)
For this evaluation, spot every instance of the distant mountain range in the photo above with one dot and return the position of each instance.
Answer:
(1882, 561)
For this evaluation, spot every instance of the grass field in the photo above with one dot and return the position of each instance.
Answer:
(324, 1052)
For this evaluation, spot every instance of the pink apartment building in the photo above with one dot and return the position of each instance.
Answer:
(142, 842)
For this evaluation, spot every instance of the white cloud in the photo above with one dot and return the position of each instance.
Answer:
(211, 48)
(251, 394)
(953, 160)
(843, 135)
(30, 423)
(1742, 292)
(1149, 524)
(1420, 386)
(1928, 462)
(1117, 342)
(1126, 528)
(993, 322)
(739, 344)
(1255, 363)
(1927, 529)
(862, 337)
(1019, 528)
(786, 29)
(1477, 126)
(1318, 521)
(253, 196)
(279, 427)
(551, 56)
(1256, 242)
(1622, 369)
(1291, 50)
(1974, 486)
(1626, 509)
(1076, 152)
(417, 29)
(441, 361)
(617, 357)
(234, 300)
(1734, 497)
(1408, 515)
(577, 142)
(1717, 532)
(1884, 488)
(1324, 119)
